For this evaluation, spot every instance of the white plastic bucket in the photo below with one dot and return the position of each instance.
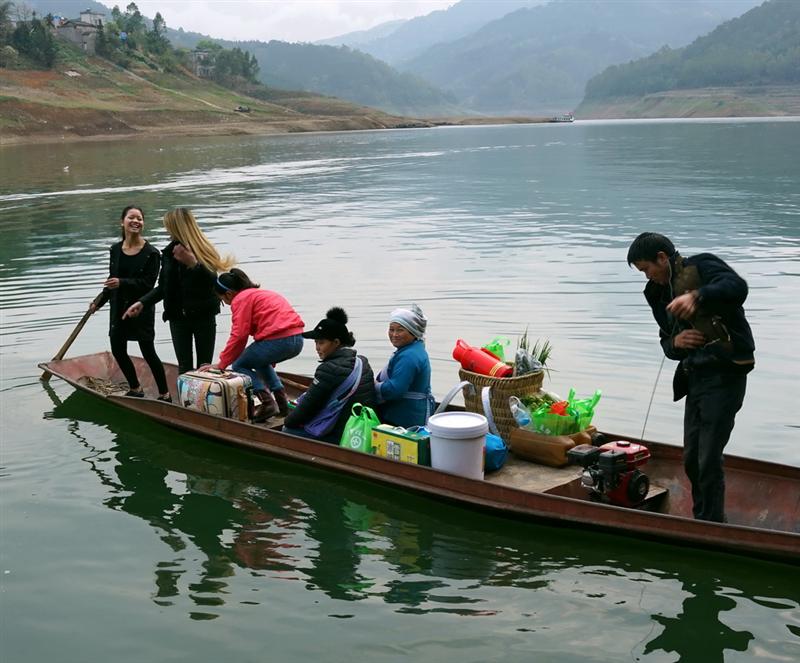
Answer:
(457, 440)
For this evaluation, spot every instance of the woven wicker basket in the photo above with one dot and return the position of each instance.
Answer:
(502, 389)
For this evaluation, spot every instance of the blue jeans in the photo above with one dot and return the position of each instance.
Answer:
(257, 359)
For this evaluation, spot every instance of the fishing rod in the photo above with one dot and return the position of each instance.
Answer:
(652, 395)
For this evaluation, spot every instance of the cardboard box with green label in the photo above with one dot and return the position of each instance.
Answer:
(396, 443)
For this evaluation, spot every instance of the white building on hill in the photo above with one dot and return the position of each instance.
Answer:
(93, 18)
(81, 31)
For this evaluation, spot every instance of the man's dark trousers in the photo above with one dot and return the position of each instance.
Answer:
(711, 406)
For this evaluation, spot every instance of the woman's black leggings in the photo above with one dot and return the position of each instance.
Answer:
(119, 348)
(203, 332)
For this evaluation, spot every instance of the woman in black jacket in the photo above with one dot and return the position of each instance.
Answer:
(337, 361)
(189, 266)
(133, 270)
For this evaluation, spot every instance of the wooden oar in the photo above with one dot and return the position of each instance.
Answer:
(60, 354)
(295, 385)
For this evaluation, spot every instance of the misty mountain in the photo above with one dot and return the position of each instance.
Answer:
(762, 47)
(418, 34)
(347, 74)
(360, 37)
(539, 59)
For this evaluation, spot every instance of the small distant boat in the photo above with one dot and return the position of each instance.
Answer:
(566, 117)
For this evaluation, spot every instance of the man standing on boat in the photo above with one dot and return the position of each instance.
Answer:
(697, 303)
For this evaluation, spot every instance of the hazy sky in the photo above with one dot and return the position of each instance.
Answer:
(287, 20)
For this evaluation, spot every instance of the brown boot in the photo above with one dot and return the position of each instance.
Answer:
(282, 401)
(268, 407)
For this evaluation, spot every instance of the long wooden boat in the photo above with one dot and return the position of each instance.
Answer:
(762, 498)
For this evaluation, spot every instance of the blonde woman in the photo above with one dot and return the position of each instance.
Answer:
(189, 266)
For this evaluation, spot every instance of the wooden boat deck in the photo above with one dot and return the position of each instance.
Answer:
(524, 475)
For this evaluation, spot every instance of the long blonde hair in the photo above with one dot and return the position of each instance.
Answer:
(182, 226)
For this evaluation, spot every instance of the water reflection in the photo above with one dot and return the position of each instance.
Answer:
(278, 522)
(256, 520)
(705, 603)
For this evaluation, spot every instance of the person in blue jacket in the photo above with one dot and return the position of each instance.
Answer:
(403, 386)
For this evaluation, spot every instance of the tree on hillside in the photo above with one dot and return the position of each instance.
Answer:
(34, 39)
(208, 45)
(134, 21)
(230, 65)
(103, 45)
(126, 38)
(235, 64)
(131, 23)
(6, 27)
(23, 12)
(156, 39)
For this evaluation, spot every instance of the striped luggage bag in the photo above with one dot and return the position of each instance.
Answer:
(221, 393)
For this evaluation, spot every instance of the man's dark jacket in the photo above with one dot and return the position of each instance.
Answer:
(720, 316)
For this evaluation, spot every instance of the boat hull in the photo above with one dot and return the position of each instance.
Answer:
(773, 501)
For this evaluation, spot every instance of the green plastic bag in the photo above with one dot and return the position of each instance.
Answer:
(547, 423)
(579, 416)
(357, 434)
(585, 409)
(497, 347)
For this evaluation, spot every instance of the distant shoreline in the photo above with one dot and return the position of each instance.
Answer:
(252, 128)
(719, 102)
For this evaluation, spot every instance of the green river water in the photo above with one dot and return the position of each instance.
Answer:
(122, 540)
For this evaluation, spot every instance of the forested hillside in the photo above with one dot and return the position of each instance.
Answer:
(139, 85)
(762, 47)
(536, 60)
(539, 59)
(348, 74)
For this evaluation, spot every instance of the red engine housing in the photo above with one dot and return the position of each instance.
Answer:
(636, 455)
(611, 471)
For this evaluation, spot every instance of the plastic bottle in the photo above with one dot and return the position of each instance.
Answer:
(521, 414)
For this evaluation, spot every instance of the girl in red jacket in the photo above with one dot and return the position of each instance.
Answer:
(275, 327)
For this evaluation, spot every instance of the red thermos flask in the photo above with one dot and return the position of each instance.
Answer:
(476, 360)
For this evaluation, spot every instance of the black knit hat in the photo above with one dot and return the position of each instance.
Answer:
(332, 327)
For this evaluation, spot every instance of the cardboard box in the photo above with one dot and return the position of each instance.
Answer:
(399, 444)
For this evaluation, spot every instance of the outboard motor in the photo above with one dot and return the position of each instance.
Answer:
(611, 471)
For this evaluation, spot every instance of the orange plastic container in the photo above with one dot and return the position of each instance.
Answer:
(479, 361)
